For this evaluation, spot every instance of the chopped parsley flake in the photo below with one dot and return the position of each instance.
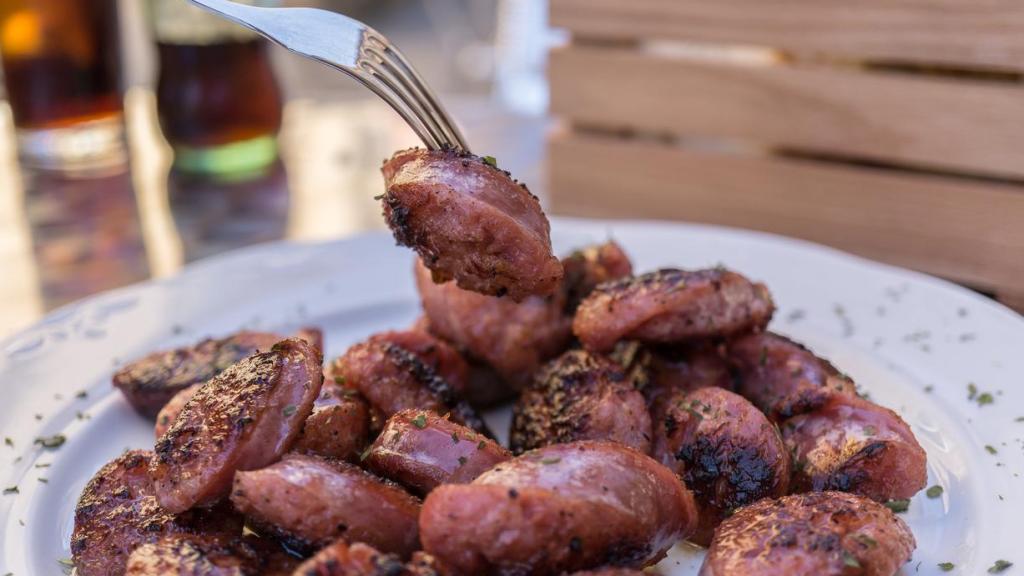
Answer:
(480, 445)
(866, 540)
(290, 409)
(898, 506)
(51, 442)
(985, 398)
(66, 564)
(991, 449)
(82, 394)
(870, 430)
(934, 491)
(999, 566)
(420, 421)
(553, 460)
(462, 460)
(850, 560)
(8, 441)
(365, 454)
(339, 380)
(11, 490)
(946, 566)
(455, 437)
(490, 161)
(43, 480)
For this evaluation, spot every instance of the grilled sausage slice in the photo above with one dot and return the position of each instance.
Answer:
(181, 557)
(588, 267)
(422, 450)
(437, 354)
(560, 508)
(393, 379)
(117, 512)
(150, 382)
(782, 377)
(580, 396)
(853, 445)
(469, 221)
(309, 502)
(685, 368)
(671, 306)
(815, 534)
(515, 338)
(724, 449)
(245, 418)
(358, 559)
(338, 428)
(169, 413)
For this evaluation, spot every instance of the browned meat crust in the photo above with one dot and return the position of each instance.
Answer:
(580, 396)
(589, 267)
(853, 445)
(469, 221)
(782, 377)
(560, 508)
(150, 382)
(671, 306)
(117, 512)
(440, 356)
(820, 533)
(393, 379)
(422, 450)
(358, 559)
(725, 450)
(169, 413)
(685, 368)
(338, 428)
(309, 501)
(243, 419)
(180, 557)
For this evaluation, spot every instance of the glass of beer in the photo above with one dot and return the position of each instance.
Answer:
(218, 99)
(63, 77)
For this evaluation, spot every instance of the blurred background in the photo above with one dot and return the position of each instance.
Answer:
(137, 136)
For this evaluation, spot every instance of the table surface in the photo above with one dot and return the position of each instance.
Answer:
(61, 239)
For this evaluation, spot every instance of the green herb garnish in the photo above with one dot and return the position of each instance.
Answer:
(51, 442)
(455, 437)
(898, 506)
(290, 409)
(850, 560)
(934, 491)
(11, 490)
(420, 421)
(991, 449)
(490, 161)
(946, 566)
(462, 460)
(999, 566)
(547, 461)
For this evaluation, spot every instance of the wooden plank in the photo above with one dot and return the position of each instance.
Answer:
(952, 32)
(931, 122)
(964, 230)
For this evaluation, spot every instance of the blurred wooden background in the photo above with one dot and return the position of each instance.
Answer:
(889, 128)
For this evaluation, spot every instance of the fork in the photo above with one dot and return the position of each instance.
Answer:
(357, 50)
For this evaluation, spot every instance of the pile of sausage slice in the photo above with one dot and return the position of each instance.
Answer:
(647, 409)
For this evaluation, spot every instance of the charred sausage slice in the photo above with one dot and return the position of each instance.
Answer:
(117, 512)
(671, 306)
(180, 557)
(589, 267)
(358, 559)
(815, 534)
(310, 501)
(685, 368)
(169, 413)
(422, 450)
(724, 449)
(437, 354)
(515, 338)
(580, 396)
(853, 445)
(339, 426)
(469, 221)
(245, 418)
(560, 508)
(393, 379)
(782, 377)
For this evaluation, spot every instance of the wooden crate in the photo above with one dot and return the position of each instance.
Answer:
(889, 128)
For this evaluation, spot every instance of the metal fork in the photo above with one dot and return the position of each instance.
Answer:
(357, 50)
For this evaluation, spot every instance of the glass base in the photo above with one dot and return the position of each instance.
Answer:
(234, 161)
(88, 148)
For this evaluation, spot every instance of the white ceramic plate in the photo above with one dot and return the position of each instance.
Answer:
(913, 342)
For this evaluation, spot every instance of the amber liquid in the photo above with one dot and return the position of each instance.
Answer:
(60, 60)
(216, 94)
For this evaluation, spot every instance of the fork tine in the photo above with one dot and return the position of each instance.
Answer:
(398, 104)
(416, 83)
(385, 73)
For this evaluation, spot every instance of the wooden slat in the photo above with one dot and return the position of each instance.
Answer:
(942, 123)
(957, 32)
(963, 230)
